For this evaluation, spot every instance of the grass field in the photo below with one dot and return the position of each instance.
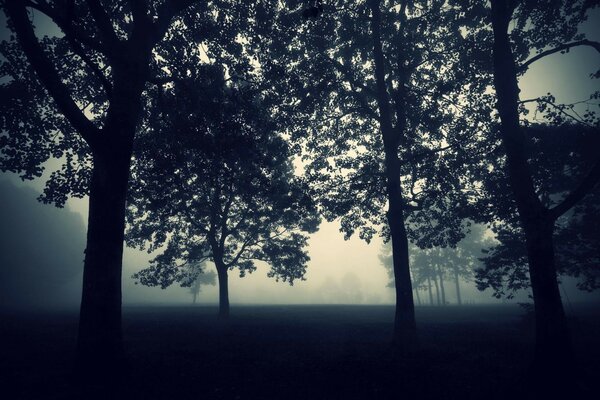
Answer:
(296, 352)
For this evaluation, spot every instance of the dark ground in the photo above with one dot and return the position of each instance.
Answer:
(297, 352)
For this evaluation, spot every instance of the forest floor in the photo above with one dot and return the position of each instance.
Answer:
(296, 352)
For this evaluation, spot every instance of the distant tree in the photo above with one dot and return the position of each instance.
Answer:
(430, 267)
(213, 180)
(197, 277)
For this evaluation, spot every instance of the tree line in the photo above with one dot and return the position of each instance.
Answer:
(181, 120)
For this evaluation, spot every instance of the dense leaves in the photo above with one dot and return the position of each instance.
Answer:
(560, 157)
(214, 181)
(331, 89)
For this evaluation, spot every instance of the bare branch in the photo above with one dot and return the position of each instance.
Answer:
(560, 109)
(523, 67)
(15, 9)
(65, 24)
(104, 24)
(585, 186)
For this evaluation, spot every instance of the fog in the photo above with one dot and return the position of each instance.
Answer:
(42, 250)
(42, 247)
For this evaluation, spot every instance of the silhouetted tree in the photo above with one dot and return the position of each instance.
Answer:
(197, 277)
(429, 267)
(79, 96)
(378, 124)
(560, 155)
(520, 28)
(214, 181)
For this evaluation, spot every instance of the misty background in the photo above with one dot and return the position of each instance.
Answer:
(42, 250)
(42, 267)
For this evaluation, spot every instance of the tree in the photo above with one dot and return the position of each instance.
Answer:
(561, 154)
(544, 27)
(224, 191)
(79, 96)
(379, 126)
(437, 263)
(196, 278)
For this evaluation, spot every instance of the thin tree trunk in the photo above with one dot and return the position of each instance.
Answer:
(437, 289)
(553, 348)
(457, 285)
(418, 296)
(223, 291)
(405, 328)
(439, 270)
(430, 292)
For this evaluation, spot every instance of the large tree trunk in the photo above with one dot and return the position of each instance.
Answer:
(553, 341)
(405, 328)
(553, 349)
(457, 286)
(99, 341)
(223, 291)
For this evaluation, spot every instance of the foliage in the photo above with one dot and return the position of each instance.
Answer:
(324, 67)
(34, 130)
(462, 259)
(560, 156)
(213, 181)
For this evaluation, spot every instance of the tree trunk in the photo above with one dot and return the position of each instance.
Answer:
(99, 342)
(223, 291)
(457, 285)
(405, 328)
(553, 341)
(553, 349)
(430, 292)
(437, 289)
(418, 296)
(439, 270)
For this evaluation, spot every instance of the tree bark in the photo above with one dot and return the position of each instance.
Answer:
(99, 342)
(457, 285)
(553, 348)
(405, 328)
(223, 290)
